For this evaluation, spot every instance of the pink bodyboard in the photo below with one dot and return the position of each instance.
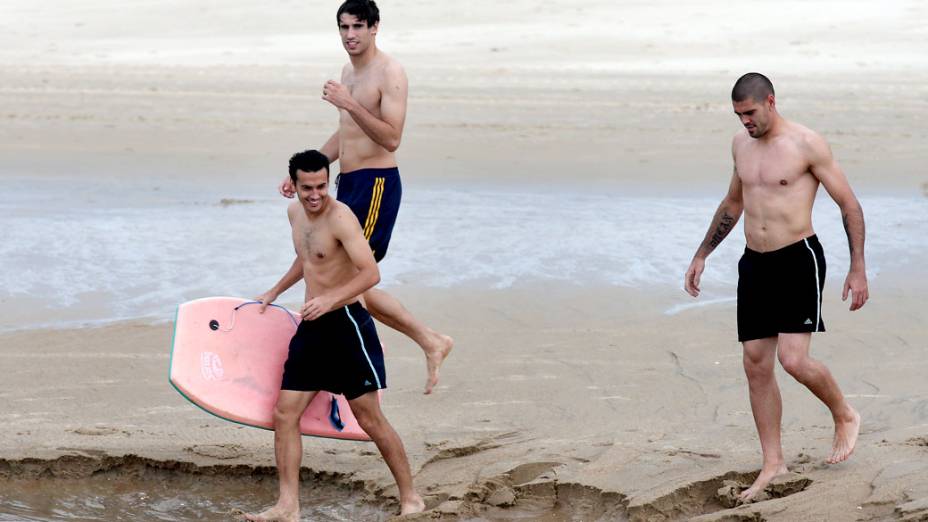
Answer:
(228, 359)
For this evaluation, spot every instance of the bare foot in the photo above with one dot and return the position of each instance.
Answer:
(276, 513)
(412, 505)
(767, 473)
(436, 352)
(846, 432)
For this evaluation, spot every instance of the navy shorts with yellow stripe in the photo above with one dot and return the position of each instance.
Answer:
(374, 196)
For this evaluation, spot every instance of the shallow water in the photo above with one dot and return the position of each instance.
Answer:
(171, 498)
(78, 253)
(181, 497)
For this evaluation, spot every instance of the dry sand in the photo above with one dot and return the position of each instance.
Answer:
(634, 94)
(591, 398)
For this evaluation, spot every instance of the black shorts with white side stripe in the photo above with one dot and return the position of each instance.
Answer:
(338, 352)
(781, 291)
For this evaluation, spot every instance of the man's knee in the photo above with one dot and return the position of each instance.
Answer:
(795, 364)
(284, 416)
(370, 419)
(758, 368)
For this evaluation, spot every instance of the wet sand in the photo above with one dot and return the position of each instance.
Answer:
(582, 401)
(596, 401)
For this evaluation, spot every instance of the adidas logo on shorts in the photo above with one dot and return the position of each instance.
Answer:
(808, 321)
(368, 383)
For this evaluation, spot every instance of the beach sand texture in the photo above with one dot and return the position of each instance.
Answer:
(578, 397)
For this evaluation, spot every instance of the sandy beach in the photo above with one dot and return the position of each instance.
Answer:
(560, 163)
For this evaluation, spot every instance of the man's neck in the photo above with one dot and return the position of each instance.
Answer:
(363, 60)
(777, 124)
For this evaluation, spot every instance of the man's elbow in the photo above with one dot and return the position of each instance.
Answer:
(849, 205)
(734, 205)
(392, 144)
(374, 278)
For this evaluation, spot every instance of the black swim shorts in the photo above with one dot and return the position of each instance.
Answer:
(338, 352)
(374, 196)
(781, 291)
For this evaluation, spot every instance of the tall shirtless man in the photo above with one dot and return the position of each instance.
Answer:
(335, 347)
(779, 165)
(371, 101)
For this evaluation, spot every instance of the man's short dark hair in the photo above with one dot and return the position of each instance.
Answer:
(752, 85)
(308, 161)
(364, 10)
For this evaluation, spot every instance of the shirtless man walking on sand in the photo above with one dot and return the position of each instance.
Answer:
(335, 347)
(371, 101)
(779, 165)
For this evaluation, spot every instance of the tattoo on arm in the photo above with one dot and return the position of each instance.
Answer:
(726, 223)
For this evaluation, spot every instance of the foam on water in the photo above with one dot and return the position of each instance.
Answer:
(84, 253)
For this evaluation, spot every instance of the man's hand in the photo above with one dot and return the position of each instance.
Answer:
(286, 188)
(691, 283)
(337, 94)
(265, 299)
(316, 308)
(856, 285)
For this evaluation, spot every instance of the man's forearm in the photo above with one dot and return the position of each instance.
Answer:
(376, 129)
(853, 218)
(331, 148)
(357, 285)
(293, 275)
(723, 222)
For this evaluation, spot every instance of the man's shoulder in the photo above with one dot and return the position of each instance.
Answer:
(806, 139)
(740, 137)
(389, 61)
(340, 209)
(340, 214)
(738, 140)
(391, 67)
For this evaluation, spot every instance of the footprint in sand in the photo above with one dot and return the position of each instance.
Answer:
(782, 486)
(534, 479)
(99, 431)
(219, 451)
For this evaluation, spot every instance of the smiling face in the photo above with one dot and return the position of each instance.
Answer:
(313, 190)
(755, 116)
(357, 36)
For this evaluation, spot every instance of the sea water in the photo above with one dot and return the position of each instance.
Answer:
(174, 498)
(77, 252)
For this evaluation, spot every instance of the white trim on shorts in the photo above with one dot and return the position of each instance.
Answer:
(818, 288)
(364, 350)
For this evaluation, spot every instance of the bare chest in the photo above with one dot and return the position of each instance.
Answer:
(770, 165)
(365, 89)
(315, 244)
